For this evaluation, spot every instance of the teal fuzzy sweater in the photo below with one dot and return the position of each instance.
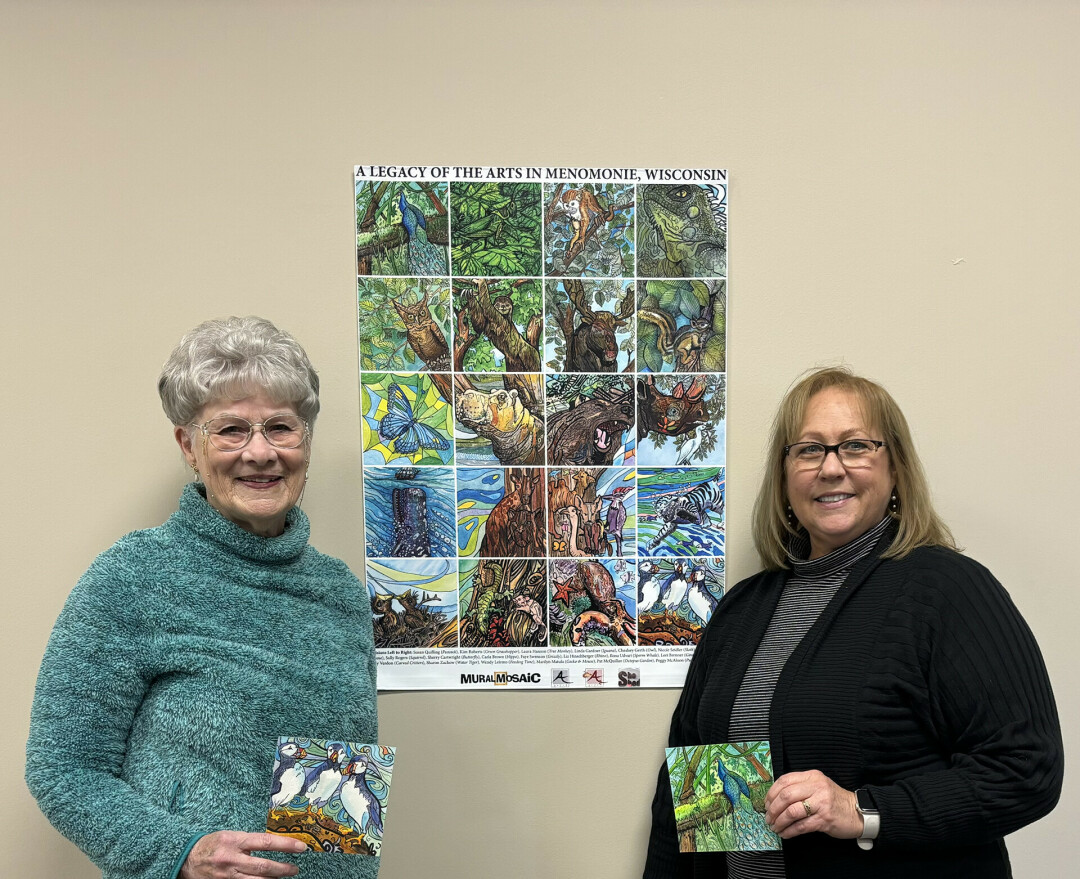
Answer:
(180, 657)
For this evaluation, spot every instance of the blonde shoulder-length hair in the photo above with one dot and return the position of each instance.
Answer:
(919, 524)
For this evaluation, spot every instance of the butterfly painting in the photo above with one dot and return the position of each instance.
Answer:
(399, 427)
(406, 421)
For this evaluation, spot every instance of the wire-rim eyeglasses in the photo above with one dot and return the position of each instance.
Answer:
(230, 433)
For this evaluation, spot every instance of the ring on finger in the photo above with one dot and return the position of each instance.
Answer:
(809, 809)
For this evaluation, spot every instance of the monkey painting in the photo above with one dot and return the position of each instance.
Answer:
(423, 334)
(585, 214)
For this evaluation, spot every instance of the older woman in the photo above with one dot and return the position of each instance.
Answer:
(187, 649)
(909, 713)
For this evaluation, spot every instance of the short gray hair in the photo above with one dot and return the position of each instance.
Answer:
(234, 358)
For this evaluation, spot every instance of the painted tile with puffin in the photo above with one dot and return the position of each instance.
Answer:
(543, 381)
(331, 795)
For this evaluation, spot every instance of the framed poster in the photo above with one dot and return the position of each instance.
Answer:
(543, 389)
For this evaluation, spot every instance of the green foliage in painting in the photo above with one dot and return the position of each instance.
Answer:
(570, 389)
(682, 305)
(609, 252)
(719, 796)
(381, 332)
(528, 301)
(496, 229)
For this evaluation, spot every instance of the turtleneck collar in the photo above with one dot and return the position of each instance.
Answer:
(196, 514)
(839, 559)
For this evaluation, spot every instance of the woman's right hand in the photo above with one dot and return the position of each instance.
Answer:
(226, 854)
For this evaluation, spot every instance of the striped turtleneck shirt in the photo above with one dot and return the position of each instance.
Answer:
(809, 589)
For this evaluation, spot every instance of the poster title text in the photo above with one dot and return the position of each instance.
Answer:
(475, 172)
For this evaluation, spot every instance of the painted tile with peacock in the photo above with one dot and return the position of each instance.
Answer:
(719, 796)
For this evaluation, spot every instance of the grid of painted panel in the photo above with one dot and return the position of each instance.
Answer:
(543, 398)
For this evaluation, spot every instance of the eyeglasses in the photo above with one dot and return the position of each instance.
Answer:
(230, 433)
(853, 453)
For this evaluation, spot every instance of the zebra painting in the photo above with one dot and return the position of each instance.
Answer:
(675, 509)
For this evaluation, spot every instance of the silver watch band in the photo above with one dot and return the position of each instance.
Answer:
(871, 829)
(871, 825)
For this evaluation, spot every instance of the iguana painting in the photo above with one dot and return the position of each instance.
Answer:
(682, 231)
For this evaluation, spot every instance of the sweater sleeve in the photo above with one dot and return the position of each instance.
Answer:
(663, 861)
(992, 709)
(93, 677)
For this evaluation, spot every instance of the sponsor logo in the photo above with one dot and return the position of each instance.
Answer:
(629, 677)
(502, 678)
(594, 677)
(560, 677)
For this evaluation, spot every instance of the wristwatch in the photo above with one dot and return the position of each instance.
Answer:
(871, 818)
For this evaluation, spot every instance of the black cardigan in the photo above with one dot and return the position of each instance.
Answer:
(921, 682)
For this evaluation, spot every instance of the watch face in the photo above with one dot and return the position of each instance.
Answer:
(866, 804)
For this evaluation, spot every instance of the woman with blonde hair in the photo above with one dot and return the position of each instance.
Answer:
(908, 710)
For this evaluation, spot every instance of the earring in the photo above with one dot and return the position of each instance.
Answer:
(894, 505)
(195, 470)
(793, 523)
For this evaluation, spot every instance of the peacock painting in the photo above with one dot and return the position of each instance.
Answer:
(402, 228)
(424, 258)
(719, 796)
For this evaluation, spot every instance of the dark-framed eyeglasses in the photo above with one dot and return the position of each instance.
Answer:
(852, 453)
(230, 433)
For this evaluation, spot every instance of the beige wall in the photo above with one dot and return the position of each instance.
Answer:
(904, 197)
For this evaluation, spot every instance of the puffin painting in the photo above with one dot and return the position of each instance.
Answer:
(675, 588)
(357, 797)
(323, 779)
(650, 586)
(702, 601)
(288, 778)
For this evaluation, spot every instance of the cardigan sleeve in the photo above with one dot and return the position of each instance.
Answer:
(991, 706)
(663, 861)
(93, 677)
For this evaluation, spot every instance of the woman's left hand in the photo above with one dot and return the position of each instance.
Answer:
(832, 809)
